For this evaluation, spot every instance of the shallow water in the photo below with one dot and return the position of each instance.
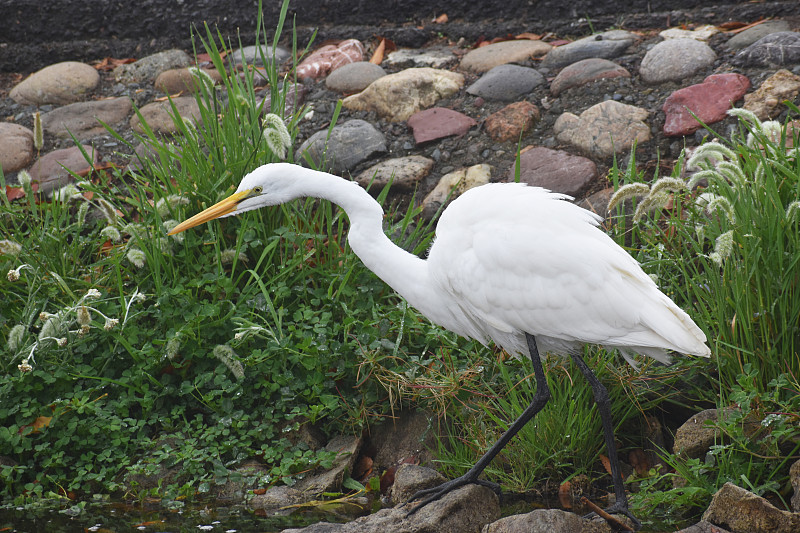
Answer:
(124, 518)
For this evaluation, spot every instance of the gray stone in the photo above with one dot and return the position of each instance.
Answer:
(396, 97)
(16, 147)
(428, 57)
(586, 71)
(506, 82)
(346, 447)
(158, 115)
(464, 510)
(741, 511)
(547, 521)
(695, 436)
(703, 527)
(50, 172)
(751, 35)
(675, 60)
(604, 129)
(555, 170)
(410, 436)
(774, 50)
(275, 498)
(252, 55)
(82, 119)
(59, 84)
(404, 173)
(487, 57)
(794, 477)
(603, 45)
(349, 144)
(148, 68)
(354, 77)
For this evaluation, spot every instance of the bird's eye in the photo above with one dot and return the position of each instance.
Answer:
(257, 190)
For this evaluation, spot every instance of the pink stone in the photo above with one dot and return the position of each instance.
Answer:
(438, 122)
(709, 101)
(330, 57)
(555, 170)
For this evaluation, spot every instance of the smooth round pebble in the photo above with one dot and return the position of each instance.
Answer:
(354, 77)
(675, 60)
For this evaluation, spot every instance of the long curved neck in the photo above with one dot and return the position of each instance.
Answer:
(404, 272)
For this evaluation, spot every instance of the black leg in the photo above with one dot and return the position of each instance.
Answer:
(604, 407)
(539, 400)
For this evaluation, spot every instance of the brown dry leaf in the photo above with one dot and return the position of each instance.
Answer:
(363, 468)
(38, 424)
(441, 19)
(565, 495)
(377, 56)
(387, 479)
(736, 27)
(606, 463)
(110, 63)
(639, 461)
(529, 36)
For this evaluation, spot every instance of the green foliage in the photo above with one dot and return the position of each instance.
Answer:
(156, 365)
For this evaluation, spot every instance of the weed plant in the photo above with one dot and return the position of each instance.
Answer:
(721, 234)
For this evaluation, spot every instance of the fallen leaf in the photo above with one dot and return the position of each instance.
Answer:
(39, 423)
(441, 19)
(606, 463)
(259, 491)
(530, 36)
(110, 63)
(363, 468)
(387, 479)
(377, 56)
(565, 495)
(736, 27)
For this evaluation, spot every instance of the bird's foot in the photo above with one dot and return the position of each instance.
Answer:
(434, 493)
(620, 508)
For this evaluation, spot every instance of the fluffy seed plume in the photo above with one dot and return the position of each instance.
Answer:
(111, 233)
(38, 132)
(745, 114)
(66, 193)
(108, 210)
(137, 257)
(226, 257)
(168, 204)
(11, 248)
(710, 153)
(173, 347)
(110, 324)
(54, 327)
(667, 185)
(84, 315)
(276, 135)
(15, 338)
(793, 211)
(24, 178)
(723, 247)
(228, 357)
(169, 225)
(631, 190)
(650, 203)
(713, 202)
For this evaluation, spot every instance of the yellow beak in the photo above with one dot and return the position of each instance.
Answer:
(224, 207)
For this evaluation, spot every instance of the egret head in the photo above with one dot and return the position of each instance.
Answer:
(271, 184)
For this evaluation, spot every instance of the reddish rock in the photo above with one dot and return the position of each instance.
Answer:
(330, 57)
(586, 71)
(555, 170)
(709, 101)
(512, 121)
(437, 123)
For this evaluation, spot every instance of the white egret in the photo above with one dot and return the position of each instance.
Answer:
(517, 265)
